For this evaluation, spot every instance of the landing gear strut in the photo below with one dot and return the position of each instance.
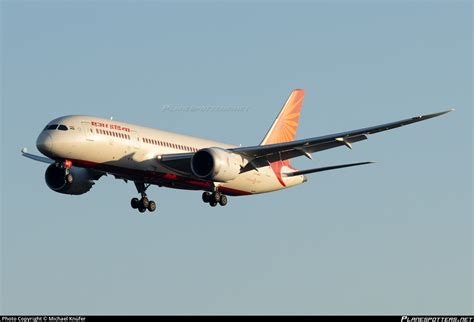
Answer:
(214, 198)
(66, 165)
(143, 203)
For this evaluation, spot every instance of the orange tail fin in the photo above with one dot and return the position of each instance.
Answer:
(284, 129)
(285, 125)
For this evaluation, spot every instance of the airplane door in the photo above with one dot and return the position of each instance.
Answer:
(135, 139)
(88, 131)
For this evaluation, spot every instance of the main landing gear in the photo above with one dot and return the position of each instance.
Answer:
(142, 204)
(214, 198)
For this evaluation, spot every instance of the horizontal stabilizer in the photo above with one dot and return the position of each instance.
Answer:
(297, 173)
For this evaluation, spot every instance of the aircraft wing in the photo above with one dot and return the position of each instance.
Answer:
(35, 157)
(261, 155)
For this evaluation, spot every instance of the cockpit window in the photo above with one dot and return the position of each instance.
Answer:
(52, 127)
(62, 127)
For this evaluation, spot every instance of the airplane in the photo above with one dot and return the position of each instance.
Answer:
(80, 149)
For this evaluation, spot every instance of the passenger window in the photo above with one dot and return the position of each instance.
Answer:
(62, 127)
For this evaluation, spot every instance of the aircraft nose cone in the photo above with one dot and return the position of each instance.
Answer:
(44, 143)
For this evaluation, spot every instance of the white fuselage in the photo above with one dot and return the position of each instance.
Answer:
(132, 152)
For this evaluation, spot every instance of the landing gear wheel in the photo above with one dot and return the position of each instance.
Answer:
(216, 196)
(134, 203)
(206, 196)
(151, 206)
(213, 203)
(144, 202)
(223, 200)
(69, 178)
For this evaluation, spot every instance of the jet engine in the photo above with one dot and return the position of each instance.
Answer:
(77, 182)
(216, 164)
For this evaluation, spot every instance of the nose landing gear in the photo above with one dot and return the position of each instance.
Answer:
(142, 204)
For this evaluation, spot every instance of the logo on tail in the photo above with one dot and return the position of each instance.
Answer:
(284, 128)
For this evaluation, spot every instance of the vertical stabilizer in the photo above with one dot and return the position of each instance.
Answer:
(284, 129)
(285, 125)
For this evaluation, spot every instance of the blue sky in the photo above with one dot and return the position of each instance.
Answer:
(390, 238)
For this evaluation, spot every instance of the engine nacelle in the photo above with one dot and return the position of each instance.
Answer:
(82, 180)
(216, 164)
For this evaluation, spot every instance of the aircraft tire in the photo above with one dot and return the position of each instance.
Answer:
(134, 203)
(223, 200)
(216, 196)
(206, 196)
(151, 206)
(144, 202)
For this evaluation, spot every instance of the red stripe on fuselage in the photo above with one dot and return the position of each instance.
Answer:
(159, 178)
